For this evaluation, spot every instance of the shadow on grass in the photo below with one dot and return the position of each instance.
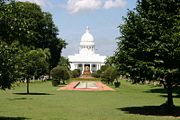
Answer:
(22, 98)
(157, 90)
(151, 110)
(32, 94)
(176, 90)
(13, 118)
(174, 96)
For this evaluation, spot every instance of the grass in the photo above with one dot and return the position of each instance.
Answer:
(129, 102)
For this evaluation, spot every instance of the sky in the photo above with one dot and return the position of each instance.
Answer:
(102, 16)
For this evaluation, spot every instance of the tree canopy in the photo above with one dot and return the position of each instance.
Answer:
(8, 71)
(64, 62)
(25, 24)
(149, 45)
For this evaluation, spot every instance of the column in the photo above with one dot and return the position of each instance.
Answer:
(91, 68)
(76, 66)
(98, 67)
(82, 68)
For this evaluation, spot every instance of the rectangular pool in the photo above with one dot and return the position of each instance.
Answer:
(86, 84)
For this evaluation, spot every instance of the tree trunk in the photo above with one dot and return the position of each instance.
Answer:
(169, 105)
(27, 85)
(169, 102)
(49, 72)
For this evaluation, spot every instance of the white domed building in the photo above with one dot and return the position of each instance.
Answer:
(87, 58)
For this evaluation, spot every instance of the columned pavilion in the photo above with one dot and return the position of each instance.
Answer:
(87, 59)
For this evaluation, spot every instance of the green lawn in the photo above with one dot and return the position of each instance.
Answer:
(47, 103)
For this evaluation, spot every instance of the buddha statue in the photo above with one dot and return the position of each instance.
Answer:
(86, 71)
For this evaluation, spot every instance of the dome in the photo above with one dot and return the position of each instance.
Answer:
(85, 51)
(87, 44)
(87, 37)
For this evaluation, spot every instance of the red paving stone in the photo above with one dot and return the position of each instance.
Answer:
(100, 87)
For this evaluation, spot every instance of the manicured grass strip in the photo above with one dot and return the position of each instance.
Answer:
(47, 103)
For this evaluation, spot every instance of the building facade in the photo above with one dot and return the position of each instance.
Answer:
(87, 59)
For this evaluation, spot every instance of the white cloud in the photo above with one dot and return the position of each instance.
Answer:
(75, 6)
(114, 4)
(44, 3)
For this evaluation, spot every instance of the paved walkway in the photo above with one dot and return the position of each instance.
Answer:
(100, 87)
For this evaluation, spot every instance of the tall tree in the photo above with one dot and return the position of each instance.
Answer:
(8, 61)
(25, 22)
(34, 64)
(149, 47)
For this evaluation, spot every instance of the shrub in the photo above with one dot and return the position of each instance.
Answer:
(60, 73)
(55, 82)
(109, 75)
(96, 74)
(116, 84)
(76, 73)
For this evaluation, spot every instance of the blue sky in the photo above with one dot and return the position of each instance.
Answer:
(102, 16)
